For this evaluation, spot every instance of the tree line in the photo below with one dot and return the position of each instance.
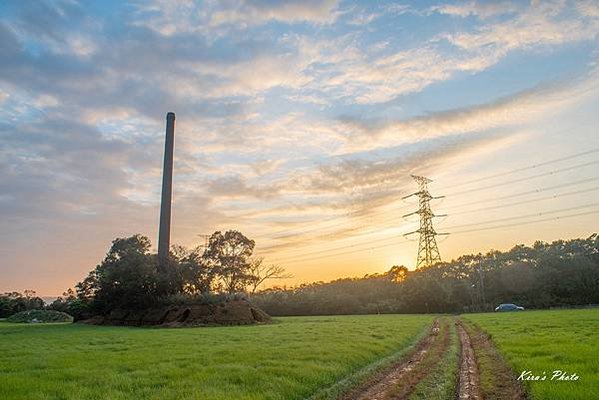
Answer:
(561, 273)
(131, 277)
(14, 302)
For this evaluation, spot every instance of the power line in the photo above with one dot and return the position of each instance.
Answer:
(451, 227)
(581, 165)
(370, 215)
(353, 215)
(517, 170)
(316, 229)
(554, 196)
(522, 169)
(501, 206)
(456, 233)
(525, 193)
(520, 194)
(529, 222)
(355, 250)
(524, 216)
(428, 251)
(557, 171)
(336, 248)
(533, 166)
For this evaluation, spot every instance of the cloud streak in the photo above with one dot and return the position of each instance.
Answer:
(288, 113)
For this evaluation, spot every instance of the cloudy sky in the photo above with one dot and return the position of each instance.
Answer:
(298, 123)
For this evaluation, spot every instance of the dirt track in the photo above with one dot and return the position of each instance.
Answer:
(399, 381)
(502, 382)
(469, 383)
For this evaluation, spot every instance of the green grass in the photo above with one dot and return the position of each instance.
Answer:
(441, 383)
(544, 341)
(291, 359)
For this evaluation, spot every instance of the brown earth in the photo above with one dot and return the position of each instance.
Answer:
(469, 380)
(233, 312)
(399, 380)
(483, 373)
(496, 378)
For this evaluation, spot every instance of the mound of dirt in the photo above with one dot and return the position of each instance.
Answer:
(233, 312)
(40, 316)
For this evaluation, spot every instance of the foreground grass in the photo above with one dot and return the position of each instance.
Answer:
(290, 359)
(442, 380)
(544, 341)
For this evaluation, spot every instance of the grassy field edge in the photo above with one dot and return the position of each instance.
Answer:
(497, 374)
(362, 375)
(442, 381)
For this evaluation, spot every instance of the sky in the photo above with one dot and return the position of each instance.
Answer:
(299, 123)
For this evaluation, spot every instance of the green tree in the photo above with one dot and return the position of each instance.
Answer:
(228, 255)
(198, 275)
(127, 277)
(14, 302)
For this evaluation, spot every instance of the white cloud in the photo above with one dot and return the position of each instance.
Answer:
(183, 16)
(364, 18)
(537, 26)
(476, 8)
(3, 96)
(343, 70)
(588, 8)
(289, 11)
(256, 135)
(518, 109)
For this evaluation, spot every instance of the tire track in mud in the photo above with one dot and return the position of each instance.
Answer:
(399, 381)
(478, 357)
(500, 379)
(469, 378)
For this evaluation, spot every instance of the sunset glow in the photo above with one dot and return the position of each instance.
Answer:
(298, 124)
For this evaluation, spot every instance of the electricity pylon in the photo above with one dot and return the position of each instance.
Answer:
(206, 240)
(428, 252)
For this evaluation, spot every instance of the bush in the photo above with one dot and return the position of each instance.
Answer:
(39, 316)
(181, 299)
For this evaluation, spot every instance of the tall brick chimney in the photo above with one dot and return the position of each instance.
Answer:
(164, 233)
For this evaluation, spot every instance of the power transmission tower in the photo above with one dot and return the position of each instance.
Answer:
(206, 241)
(428, 252)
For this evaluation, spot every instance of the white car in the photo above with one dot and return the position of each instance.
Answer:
(508, 307)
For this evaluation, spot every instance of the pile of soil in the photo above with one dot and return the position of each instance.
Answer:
(40, 316)
(233, 312)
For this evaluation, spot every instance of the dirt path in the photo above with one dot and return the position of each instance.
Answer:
(492, 378)
(399, 381)
(482, 371)
(469, 383)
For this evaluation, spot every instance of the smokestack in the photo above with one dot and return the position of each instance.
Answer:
(164, 234)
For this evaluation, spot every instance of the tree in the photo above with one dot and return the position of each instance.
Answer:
(262, 272)
(228, 255)
(565, 272)
(398, 273)
(69, 303)
(127, 277)
(197, 273)
(14, 302)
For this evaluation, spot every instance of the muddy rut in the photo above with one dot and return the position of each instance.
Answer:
(469, 379)
(399, 381)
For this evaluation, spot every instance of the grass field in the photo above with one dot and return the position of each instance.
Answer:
(295, 358)
(544, 341)
(291, 359)
(440, 384)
